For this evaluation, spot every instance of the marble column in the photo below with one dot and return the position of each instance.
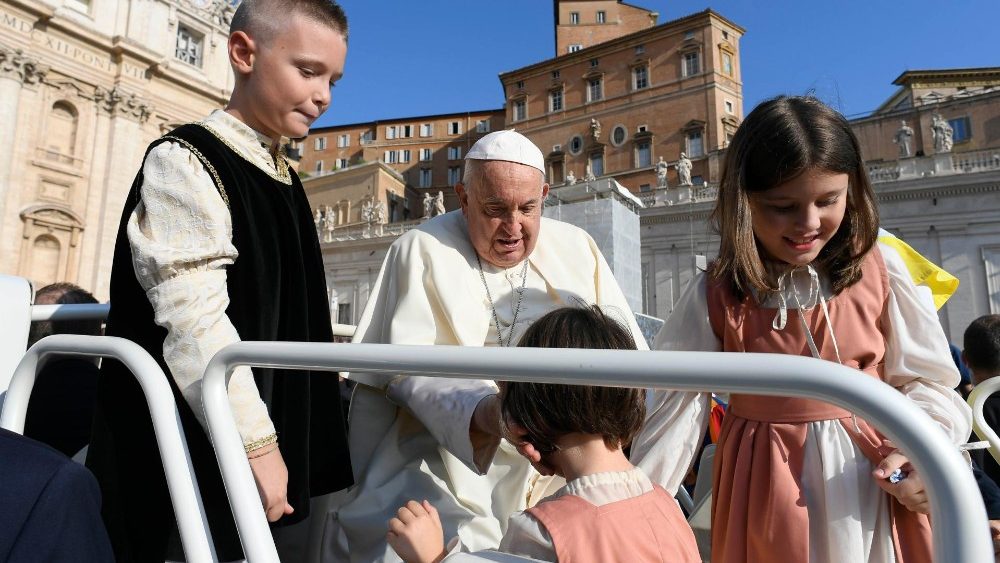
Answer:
(16, 70)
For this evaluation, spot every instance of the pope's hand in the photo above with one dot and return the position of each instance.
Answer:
(486, 418)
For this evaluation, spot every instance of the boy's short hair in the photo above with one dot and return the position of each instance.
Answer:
(549, 411)
(260, 19)
(981, 344)
(63, 293)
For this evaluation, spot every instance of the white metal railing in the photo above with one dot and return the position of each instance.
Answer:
(76, 312)
(181, 481)
(977, 400)
(957, 509)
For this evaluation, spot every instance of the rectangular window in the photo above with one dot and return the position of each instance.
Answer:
(643, 155)
(519, 110)
(342, 163)
(640, 77)
(595, 89)
(483, 126)
(344, 314)
(390, 132)
(727, 64)
(366, 137)
(343, 141)
(729, 107)
(695, 144)
(407, 131)
(425, 155)
(575, 47)
(644, 188)
(426, 177)
(319, 166)
(640, 49)
(574, 18)
(190, 45)
(427, 130)
(595, 63)
(602, 17)
(454, 175)
(404, 155)
(961, 129)
(454, 153)
(454, 128)
(389, 157)
(556, 100)
(597, 165)
(320, 144)
(555, 75)
(691, 64)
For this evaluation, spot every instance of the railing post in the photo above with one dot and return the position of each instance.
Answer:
(182, 484)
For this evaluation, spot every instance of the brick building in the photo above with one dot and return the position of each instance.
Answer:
(427, 152)
(967, 98)
(583, 23)
(617, 107)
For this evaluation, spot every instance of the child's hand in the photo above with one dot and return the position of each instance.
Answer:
(910, 492)
(416, 533)
(271, 475)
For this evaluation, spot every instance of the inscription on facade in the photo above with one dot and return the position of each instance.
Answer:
(63, 47)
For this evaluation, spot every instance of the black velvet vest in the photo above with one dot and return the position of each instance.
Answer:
(277, 292)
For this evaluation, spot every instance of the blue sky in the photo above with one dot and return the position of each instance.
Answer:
(409, 57)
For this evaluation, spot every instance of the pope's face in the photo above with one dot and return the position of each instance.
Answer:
(503, 208)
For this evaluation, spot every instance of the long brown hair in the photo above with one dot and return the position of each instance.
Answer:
(549, 411)
(780, 139)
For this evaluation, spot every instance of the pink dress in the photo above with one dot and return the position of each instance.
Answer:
(758, 509)
(648, 528)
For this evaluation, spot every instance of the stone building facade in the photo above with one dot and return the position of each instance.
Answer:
(427, 151)
(86, 85)
(617, 108)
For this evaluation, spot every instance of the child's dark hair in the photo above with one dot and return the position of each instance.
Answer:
(780, 139)
(260, 18)
(549, 411)
(981, 344)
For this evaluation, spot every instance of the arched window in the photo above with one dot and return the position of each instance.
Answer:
(61, 137)
(45, 260)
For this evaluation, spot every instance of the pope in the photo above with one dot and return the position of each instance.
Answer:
(478, 276)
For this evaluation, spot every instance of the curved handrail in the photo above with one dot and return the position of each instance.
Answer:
(956, 506)
(977, 400)
(181, 481)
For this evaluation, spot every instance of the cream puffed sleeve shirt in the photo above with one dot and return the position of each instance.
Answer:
(180, 234)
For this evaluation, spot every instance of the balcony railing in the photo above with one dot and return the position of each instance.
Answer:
(679, 195)
(362, 231)
(943, 164)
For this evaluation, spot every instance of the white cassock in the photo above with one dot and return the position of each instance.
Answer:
(409, 435)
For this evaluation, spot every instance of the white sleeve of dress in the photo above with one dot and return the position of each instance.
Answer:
(917, 358)
(527, 537)
(180, 234)
(675, 420)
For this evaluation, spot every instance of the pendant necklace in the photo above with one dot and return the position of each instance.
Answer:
(517, 308)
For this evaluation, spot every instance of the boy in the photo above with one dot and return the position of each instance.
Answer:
(981, 352)
(217, 244)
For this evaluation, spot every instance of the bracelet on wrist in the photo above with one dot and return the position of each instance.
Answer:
(261, 443)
